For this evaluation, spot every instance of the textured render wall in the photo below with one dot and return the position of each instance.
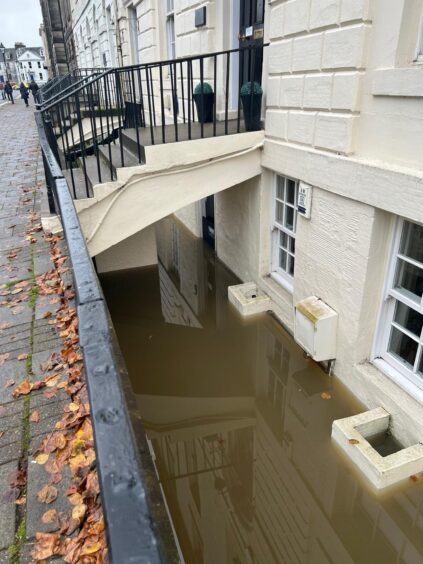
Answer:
(316, 61)
(191, 40)
(148, 37)
(237, 223)
(191, 217)
(391, 122)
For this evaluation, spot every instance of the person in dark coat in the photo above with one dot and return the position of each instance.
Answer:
(33, 86)
(9, 91)
(24, 93)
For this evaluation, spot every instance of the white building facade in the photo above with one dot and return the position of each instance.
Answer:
(343, 115)
(30, 65)
(93, 23)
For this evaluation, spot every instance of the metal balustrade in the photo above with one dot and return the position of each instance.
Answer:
(103, 122)
(60, 85)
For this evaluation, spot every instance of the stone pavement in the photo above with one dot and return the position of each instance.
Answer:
(24, 330)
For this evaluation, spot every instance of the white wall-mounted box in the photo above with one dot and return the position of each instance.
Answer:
(315, 328)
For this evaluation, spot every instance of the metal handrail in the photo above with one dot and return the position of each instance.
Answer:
(133, 533)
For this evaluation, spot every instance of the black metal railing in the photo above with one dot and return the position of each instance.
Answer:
(133, 512)
(61, 85)
(105, 121)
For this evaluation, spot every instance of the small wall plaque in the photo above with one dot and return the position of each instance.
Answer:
(249, 31)
(304, 199)
(200, 17)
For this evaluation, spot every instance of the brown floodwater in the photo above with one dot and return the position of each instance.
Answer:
(239, 429)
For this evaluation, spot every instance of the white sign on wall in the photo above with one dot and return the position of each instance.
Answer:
(304, 199)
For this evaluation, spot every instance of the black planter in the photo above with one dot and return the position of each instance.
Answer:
(133, 115)
(204, 104)
(251, 105)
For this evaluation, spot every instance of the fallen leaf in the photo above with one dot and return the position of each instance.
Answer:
(47, 495)
(78, 512)
(3, 358)
(23, 389)
(325, 396)
(22, 284)
(47, 314)
(42, 458)
(23, 356)
(46, 545)
(2, 433)
(16, 291)
(73, 407)
(91, 548)
(17, 310)
(21, 500)
(9, 383)
(75, 499)
(353, 441)
(49, 516)
(35, 417)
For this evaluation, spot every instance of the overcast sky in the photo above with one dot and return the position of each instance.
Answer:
(20, 21)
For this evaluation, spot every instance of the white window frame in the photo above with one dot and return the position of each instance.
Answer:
(283, 277)
(385, 360)
(419, 47)
(170, 29)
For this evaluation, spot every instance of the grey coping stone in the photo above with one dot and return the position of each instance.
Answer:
(37, 479)
(7, 509)
(11, 370)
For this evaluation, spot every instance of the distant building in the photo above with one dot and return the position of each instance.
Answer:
(30, 65)
(8, 60)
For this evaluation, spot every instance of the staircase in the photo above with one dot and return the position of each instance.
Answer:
(139, 143)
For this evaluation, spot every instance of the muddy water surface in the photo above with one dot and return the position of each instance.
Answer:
(239, 427)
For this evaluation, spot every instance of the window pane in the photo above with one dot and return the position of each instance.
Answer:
(289, 218)
(280, 188)
(290, 191)
(408, 318)
(282, 259)
(420, 368)
(279, 212)
(403, 347)
(409, 278)
(284, 239)
(412, 241)
(291, 263)
(292, 244)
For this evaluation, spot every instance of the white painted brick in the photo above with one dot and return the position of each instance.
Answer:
(280, 55)
(324, 12)
(317, 91)
(276, 22)
(344, 47)
(346, 90)
(354, 10)
(335, 132)
(301, 127)
(276, 123)
(291, 91)
(307, 52)
(272, 91)
(296, 16)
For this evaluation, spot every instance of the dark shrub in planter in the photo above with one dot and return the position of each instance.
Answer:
(204, 101)
(251, 95)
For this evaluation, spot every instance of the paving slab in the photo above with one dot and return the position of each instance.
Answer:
(7, 508)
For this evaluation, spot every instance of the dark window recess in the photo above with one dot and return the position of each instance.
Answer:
(200, 17)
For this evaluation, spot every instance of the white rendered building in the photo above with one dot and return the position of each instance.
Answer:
(30, 65)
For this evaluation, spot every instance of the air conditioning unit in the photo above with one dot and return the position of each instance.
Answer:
(315, 328)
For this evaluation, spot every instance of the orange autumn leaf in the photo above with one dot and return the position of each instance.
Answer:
(46, 545)
(73, 407)
(23, 356)
(91, 548)
(78, 512)
(35, 417)
(49, 516)
(23, 389)
(75, 498)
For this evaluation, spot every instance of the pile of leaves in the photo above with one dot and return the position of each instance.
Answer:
(79, 533)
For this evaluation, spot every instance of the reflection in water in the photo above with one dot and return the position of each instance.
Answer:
(239, 429)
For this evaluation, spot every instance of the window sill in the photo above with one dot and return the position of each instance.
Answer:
(406, 82)
(288, 286)
(404, 383)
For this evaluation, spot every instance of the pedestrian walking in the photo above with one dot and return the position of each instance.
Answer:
(24, 93)
(3, 95)
(33, 86)
(9, 91)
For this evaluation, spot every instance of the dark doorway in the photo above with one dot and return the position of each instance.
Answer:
(208, 221)
(251, 33)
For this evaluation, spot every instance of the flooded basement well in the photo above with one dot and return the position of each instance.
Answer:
(240, 423)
